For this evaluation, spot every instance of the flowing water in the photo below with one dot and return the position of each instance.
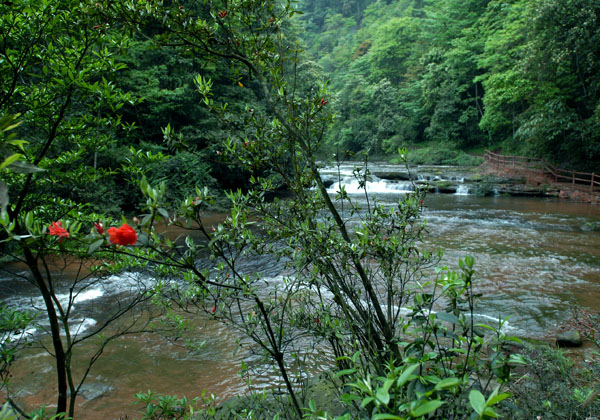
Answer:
(534, 258)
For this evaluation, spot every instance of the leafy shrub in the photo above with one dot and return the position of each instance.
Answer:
(182, 173)
(553, 386)
(442, 155)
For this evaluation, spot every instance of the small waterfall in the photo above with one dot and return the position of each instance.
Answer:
(462, 190)
(376, 185)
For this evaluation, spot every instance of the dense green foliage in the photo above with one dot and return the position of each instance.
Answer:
(521, 75)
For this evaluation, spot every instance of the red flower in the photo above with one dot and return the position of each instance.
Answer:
(99, 227)
(324, 102)
(222, 14)
(56, 229)
(271, 20)
(214, 309)
(125, 235)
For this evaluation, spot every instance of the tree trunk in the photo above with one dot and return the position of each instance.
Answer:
(59, 352)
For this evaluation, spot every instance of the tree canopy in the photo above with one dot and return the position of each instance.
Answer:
(517, 75)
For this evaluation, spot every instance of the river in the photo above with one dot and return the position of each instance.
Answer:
(534, 258)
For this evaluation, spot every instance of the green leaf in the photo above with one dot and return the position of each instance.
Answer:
(24, 167)
(445, 316)
(406, 375)
(447, 383)
(517, 359)
(496, 399)
(383, 396)
(163, 212)
(386, 416)
(366, 401)
(477, 401)
(95, 245)
(345, 372)
(489, 411)
(426, 408)
(11, 159)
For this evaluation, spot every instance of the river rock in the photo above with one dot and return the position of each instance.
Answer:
(569, 338)
(591, 227)
(328, 182)
(91, 391)
(395, 176)
(444, 187)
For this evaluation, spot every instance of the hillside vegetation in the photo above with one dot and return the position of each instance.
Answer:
(520, 75)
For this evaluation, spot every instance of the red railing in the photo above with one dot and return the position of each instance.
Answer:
(577, 179)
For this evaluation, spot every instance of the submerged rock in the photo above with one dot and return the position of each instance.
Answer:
(91, 391)
(569, 338)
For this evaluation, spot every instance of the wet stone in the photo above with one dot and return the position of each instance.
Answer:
(91, 391)
(395, 176)
(570, 338)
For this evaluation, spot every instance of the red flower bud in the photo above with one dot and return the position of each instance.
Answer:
(214, 309)
(271, 19)
(246, 144)
(222, 14)
(99, 227)
(324, 102)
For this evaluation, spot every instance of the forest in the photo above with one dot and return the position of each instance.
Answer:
(520, 76)
(442, 78)
(124, 125)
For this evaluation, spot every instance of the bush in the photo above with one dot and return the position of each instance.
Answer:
(442, 155)
(553, 386)
(182, 173)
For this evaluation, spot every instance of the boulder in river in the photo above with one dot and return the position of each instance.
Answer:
(569, 338)
(328, 182)
(395, 176)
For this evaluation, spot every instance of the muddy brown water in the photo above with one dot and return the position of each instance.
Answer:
(535, 258)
